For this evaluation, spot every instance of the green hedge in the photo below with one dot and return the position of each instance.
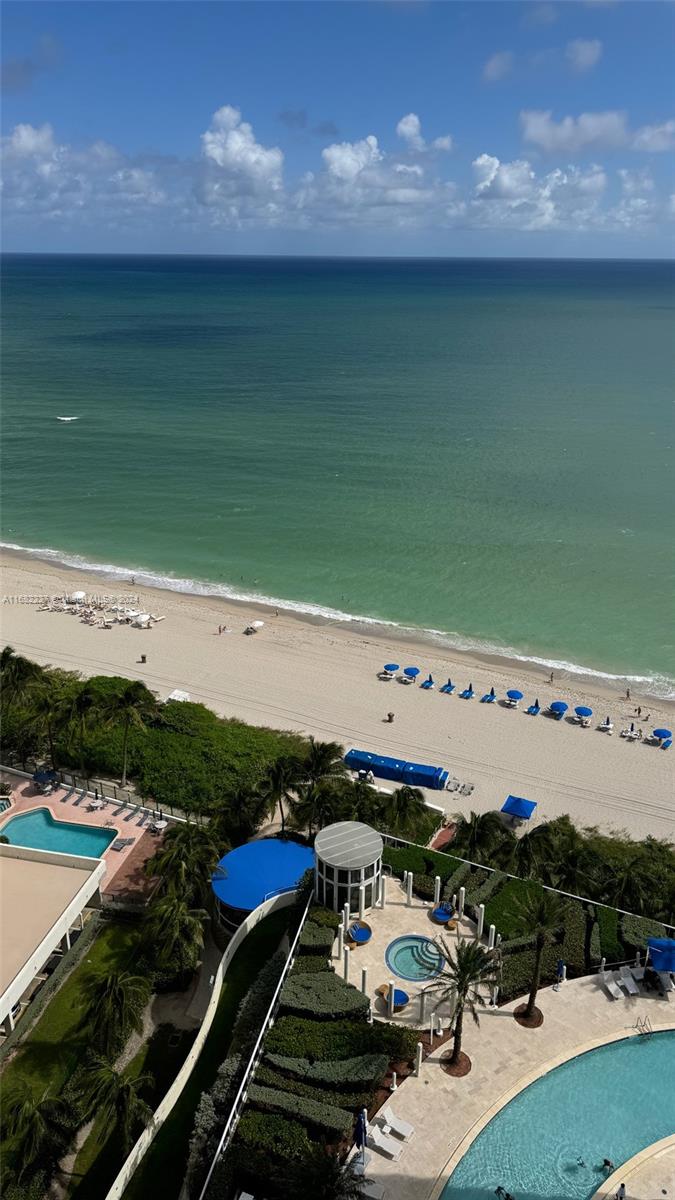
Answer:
(502, 910)
(424, 886)
(482, 893)
(337, 1121)
(515, 945)
(354, 1101)
(325, 916)
(595, 949)
(418, 860)
(608, 929)
(573, 949)
(456, 880)
(310, 964)
(323, 995)
(636, 930)
(364, 1069)
(316, 939)
(321, 1040)
(274, 1134)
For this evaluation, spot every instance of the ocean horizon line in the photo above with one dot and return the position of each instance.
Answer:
(365, 258)
(661, 687)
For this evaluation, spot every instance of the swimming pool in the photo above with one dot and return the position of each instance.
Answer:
(413, 957)
(39, 831)
(551, 1139)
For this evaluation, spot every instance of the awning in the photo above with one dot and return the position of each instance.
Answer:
(662, 953)
(516, 806)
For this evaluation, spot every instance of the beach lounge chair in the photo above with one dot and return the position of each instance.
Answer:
(428, 684)
(448, 688)
(488, 698)
(534, 709)
(400, 1129)
(609, 984)
(626, 980)
(452, 785)
(606, 726)
(388, 1146)
(667, 744)
(466, 789)
(468, 693)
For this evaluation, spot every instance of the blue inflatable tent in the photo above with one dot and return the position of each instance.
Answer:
(396, 769)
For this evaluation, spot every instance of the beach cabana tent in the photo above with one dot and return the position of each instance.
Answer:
(661, 953)
(396, 769)
(516, 806)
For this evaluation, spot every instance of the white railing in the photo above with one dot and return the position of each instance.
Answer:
(165, 1107)
(73, 780)
(240, 1098)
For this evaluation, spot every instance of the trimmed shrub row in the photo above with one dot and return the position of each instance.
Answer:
(316, 939)
(354, 1101)
(310, 964)
(456, 880)
(321, 1040)
(277, 1135)
(319, 915)
(325, 995)
(336, 1121)
(503, 910)
(364, 1069)
(482, 893)
(418, 860)
(636, 930)
(608, 931)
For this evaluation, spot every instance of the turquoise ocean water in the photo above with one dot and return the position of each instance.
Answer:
(480, 448)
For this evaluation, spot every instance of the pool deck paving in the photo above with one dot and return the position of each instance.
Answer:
(125, 877)
(448, 1113)
(650, 1175)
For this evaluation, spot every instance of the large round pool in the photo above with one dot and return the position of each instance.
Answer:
(413, 957)
(550, 1140)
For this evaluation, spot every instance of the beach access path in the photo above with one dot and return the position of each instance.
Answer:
(322, 678)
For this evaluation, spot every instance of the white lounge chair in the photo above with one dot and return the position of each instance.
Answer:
(400, 1129)
(626, 980)
(610, 985)
(638, 973)
(388, 1146)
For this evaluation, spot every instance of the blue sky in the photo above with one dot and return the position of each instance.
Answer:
(406, 127)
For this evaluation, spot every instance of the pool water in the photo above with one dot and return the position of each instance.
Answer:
(413, 957)
(40, 831)
(607, 1103)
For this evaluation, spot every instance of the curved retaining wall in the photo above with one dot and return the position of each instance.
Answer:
(162, 1111)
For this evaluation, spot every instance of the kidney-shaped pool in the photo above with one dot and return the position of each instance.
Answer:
(549, 1142)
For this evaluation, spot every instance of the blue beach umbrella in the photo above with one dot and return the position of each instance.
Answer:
(583, 711)
(559, 706)
(662, 733)
(514, 694)
(391, 667)
(412, 672)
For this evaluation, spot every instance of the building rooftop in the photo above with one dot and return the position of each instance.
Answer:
(349, 845)
(254, 872)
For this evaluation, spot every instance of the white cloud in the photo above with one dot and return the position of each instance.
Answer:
(635, 183)
(409, 129)
(503, 180)
(499, 65)
(27, 140)
(346, 160)
(230, 144)
(583, 54)
(655, 138)
(511, 195)
(572, 134)
(540, 14)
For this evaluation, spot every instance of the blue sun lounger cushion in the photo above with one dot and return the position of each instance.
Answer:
(428, 683)
(448, 688)
(534, 710)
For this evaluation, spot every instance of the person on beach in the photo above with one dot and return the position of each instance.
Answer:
(627, 693)
(551, 677)
(648, 716)
(390, 718)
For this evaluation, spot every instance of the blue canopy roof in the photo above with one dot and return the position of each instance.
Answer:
(662, 733)
(515, 806)
(411, 672)
(396, 769)
(583, 711)
(662, 953)
(245, 876)
(391, 667)
(558, 706)
(514, 694)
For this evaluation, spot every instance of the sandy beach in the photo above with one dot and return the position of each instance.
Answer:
(321, 678)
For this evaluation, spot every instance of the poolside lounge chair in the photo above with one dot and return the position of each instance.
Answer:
(448, 688)
(80, 798)
(666, 982)
(468, 693)
(626, 980)
(401, 1129)
(388, 1146)
(121, 843)
(67, 796)
(610, 985)
(534, 709)
(134, 813)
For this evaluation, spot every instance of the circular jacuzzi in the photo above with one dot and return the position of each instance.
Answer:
(414, 957)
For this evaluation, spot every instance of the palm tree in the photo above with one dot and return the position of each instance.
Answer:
(185, 860)
(316, 805)
(478, 835)
(18, 676)
(403, 808)
(321, 1176)
(324, 760)
(175, 931)
(116, 1097)
(133, 706)
(542, 914)
(531, 851)
(39, 1128)
(116, 1003)
(284, 777)
(467, 972)
(49, 710)
(83, 706)
(359, 802)
(632, 884)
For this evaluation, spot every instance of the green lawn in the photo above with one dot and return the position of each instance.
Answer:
(163, 1168)
(51, 1050)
